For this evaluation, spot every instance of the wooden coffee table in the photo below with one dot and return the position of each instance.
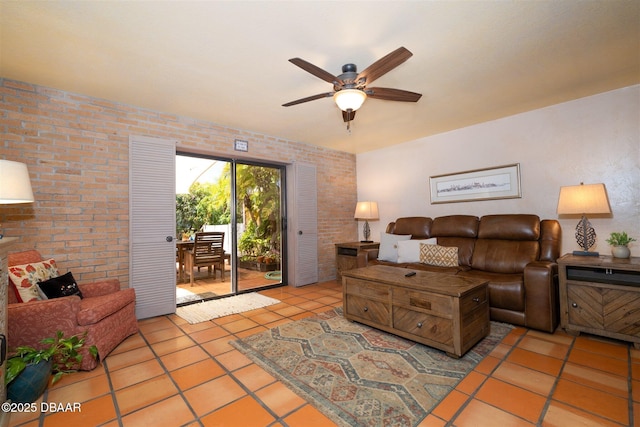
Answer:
(444, 311)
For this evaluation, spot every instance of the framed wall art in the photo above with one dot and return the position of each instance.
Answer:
(500, 182)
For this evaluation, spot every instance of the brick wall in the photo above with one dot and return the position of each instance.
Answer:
(76, 149)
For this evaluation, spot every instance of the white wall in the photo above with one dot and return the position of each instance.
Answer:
(591, 140)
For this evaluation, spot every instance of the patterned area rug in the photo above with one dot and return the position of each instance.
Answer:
(360, 376)
(201, 312)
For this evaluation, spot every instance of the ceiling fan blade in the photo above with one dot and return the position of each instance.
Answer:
(316, 71)
(385, 64)
(392, 94)
(348, 116)
(307, 99)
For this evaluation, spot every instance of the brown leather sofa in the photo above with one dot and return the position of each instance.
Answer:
(516, 253)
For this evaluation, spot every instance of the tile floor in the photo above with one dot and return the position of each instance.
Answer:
(176, 374)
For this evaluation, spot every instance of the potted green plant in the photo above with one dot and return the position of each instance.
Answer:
(619, 242)
(29, 370)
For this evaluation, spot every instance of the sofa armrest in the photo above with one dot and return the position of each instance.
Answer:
(99, 288)
(365, 255)
(541, 295)
(94, 309)
(29, 323)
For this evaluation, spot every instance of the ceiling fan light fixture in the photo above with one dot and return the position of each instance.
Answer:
(349, 99)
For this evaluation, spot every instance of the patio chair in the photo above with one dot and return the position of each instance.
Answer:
(208, 251)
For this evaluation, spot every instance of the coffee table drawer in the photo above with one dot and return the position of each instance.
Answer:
(423, 325)
(367, 309)
(367, 289)
(475, 299)
(419, 301)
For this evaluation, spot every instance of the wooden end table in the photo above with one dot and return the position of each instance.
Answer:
(347, 255)
(601, 296)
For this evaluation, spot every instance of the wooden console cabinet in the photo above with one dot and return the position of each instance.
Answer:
(601, 296)
(347, 255)
(444, 311)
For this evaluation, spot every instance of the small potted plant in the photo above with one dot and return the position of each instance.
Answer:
(619, 242)
(29, 370)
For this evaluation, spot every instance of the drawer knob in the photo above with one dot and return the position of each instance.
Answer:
(366, 309)
(574, 305)
(476, 299)
(419, 325)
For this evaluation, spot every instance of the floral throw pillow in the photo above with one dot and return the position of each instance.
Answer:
(25, 278)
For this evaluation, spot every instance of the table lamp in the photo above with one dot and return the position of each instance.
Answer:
(366, 211)
(582, 200)
(15, 186)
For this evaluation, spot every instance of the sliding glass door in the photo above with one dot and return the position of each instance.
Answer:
(243, 200)
(258, 196)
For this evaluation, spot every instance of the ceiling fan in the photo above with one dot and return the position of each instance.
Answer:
(350, 88)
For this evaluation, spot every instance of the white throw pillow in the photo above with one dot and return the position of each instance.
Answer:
(389, 246)
(409, 250)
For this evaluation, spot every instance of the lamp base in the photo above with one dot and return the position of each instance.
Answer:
(366, 241)
(585, 253)
(366, 232)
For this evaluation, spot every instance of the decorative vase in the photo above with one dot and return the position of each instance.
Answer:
(31, 383)
(620, 251)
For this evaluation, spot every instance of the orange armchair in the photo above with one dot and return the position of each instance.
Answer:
(106, 313)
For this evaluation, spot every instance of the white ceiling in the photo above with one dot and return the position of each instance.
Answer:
(227, 61)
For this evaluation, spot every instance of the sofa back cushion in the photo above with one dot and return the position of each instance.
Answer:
(504, 256)
(509, 227)
(458, 231)
(455, 226)
(12, 298)
(419, 227)
(506, 243)
(550, 238)
(25, 257)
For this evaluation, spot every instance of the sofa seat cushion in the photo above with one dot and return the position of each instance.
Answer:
(436, 269)
(504, 256)
(99, 288)
(418, 266)
(92, 310)
(506, 291)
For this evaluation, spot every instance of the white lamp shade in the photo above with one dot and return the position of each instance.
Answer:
(349, 99)
(366, 210)
(583, 199)
(15, 186)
